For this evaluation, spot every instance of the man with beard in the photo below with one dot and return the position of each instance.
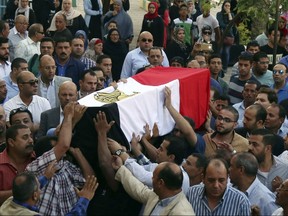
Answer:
(100, 77)
(260, 69)
(27, 97)
(280, 84)
(281, 199)
(272, 170)
(254, 117)
(3, 92)
(249, 96)
(14, 159)
(224, 136)
(67, 65)
(5, 65)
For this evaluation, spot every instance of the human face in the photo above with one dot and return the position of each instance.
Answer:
(201, 60)
(39, 34)
(3, 90)
(89, 83)
(24, 3)
(112, 26)
(272, 35)
(234, 171)
(162, 152)
(47, 68)
(114, 36)
(215, 66)
(22, 118)
(249, 120)
(176, 64)
(155, 179)
(23, 143)
(6, 30)
(215, 181)
(262, 99)
(183, 12)
(98, 48)
(21, 24)
(273, 121)
(116, 7)
(28, 86)
(279, 78)
(2, 120)
(244, 67)
(100, 80)
(56, 3)
(220, 104)
(155, 57)
(281, 194)
(4, 51)
(193, 64)
(222, 126)
(77, 47)
(181, 35)
(151, 9)
(227, 6)
(63, 51)
(46, 48)
(67, 94)
(145, 41)
(257, 148)
(253, 49)
(249, 93)
(178, 2)
(261, 66)
(22, 67)
(60, 23)
(190, 167)
(106, 66)
(67, 4)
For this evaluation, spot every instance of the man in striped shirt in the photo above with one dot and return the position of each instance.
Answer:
(214, 197)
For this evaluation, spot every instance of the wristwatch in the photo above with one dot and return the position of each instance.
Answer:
(234, 151)
(119, 152)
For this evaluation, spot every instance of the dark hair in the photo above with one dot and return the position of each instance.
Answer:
(253, 43)
(271, 29)
(155, 48)
(257, 56)
(62, 40)
(88, 71)
(233, 111)
(12, 131)
(245, 56)
(216, 92)
(282, 111)
(223, 97)
(24, 185)
(217, 162)
(261, 112)
(271, 94)
(173, 179)
(44, 144)
(16, 63)
(206, 28)
(248, 161)
(112, 21)
(183, 5)
(101, 57)
(201, 160)
(222, 8)
(95, 68)
(177, 146)
(19, 110)
(2, 25)
(111, 31)
(178, 59)
(284, 103)
(214, 55)
(253, 82)
(47, 39)
(3, 40)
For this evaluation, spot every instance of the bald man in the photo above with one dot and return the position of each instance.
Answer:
(53, 117)
(49, 83)
(138, 57)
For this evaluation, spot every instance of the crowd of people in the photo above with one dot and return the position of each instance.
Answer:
(51, 55)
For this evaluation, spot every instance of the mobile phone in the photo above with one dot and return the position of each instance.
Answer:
(206, 47)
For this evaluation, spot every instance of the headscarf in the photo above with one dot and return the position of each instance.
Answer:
(78, 34)
(155, 14)
(110, 47)
(71, 14)
(21, 10)
(181, 44)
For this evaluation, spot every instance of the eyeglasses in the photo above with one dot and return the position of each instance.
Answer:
(31, 82)
(281, 72)
(50, 67)
(226, 120)
(20, 109)
(207, 33)
(145, 40)
(264, 62)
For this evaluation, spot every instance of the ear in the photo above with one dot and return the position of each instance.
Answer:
(171, 157)
(259, 123)
(11, 142)
(35, 196)
(269, 148)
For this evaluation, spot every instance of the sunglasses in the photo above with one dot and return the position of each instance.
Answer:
(145, 40)
(31, 82)
(17, 110)
(281, 72)
(207, 33)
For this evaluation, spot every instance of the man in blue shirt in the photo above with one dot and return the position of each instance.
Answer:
(280, 84)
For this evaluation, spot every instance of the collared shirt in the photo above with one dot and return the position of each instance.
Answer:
(233, 202)
(278, 212)
(88, 62)
(239, 143)
(241, 109)
(144, 173)
(5, 69)
(27, 48)
(279, 168)
(60, 196)
(136, 59)
(12, 88)
(36, 107)
(25, 205)
(162, 204)
(48, 92)
(258, 194)
(283, 131)
(14, 38)
(266, 78)
(282, 93)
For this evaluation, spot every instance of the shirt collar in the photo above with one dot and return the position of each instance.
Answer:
(32, 208)
(165, 202)
(52, 83)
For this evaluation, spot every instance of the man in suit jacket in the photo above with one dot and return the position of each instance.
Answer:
(49, 83)
(166, 198)
(53, 117)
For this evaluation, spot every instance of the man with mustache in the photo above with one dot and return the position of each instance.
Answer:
(14, 159)
(5, 65)
(67, 65)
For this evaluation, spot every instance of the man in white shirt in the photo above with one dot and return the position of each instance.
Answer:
(5, 65)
